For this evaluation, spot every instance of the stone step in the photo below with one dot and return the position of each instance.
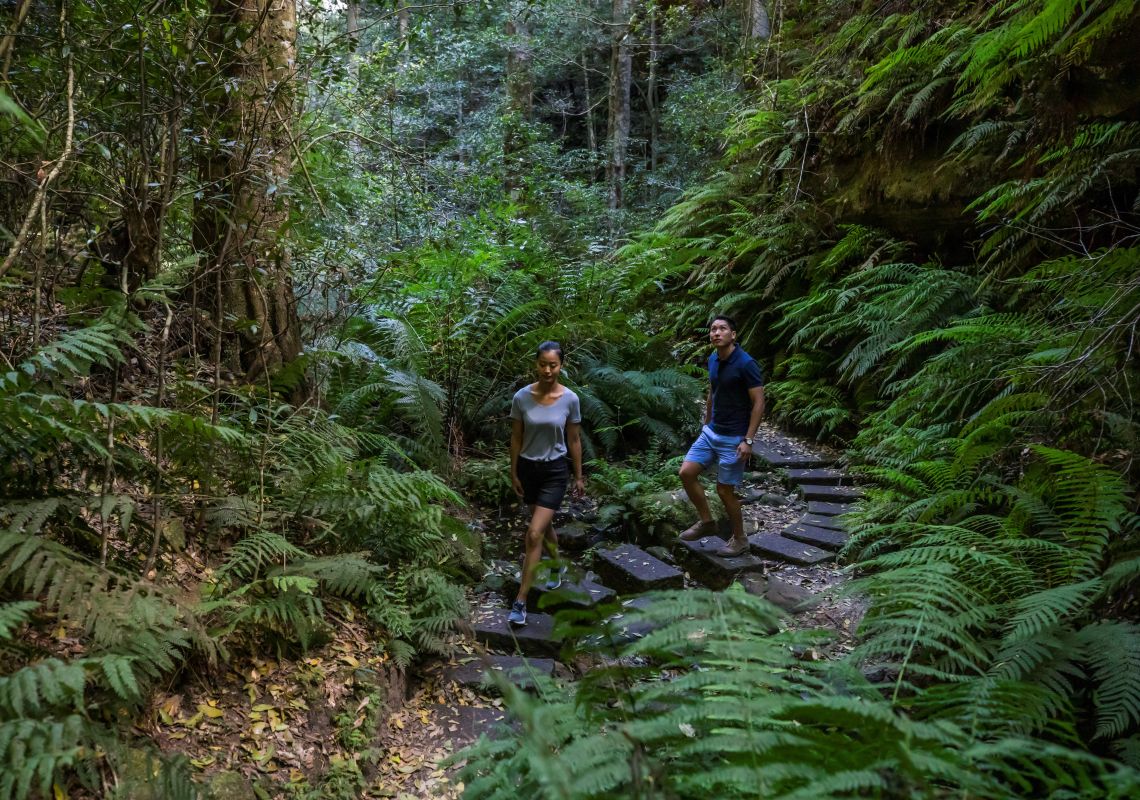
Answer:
(622, 627)
(827, 509)
(823, 521)
(536, 638)
(575, 536)
(522, 672)
(631, 570)
(462, 725)
(824, 538)
(820, 477)
(773, 545)
(834, 494)
(582, 593)
(716, 572)
(788, 457)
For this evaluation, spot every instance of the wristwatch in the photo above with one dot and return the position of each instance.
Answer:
(748, 441)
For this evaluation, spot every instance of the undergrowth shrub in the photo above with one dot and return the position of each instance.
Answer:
(452, 336)
(638, 494)
(292, 514)
(726, 707)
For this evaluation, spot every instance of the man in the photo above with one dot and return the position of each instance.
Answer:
(733, 411)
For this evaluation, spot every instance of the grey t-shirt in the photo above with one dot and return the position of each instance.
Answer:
(544, 427)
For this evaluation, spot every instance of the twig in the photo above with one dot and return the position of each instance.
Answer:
(803, 163)
(41, 192)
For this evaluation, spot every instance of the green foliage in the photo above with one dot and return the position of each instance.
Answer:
(741, 715)
(488, 481)
(46, 734)
(461, 320)
(319, 514)
(638, 493)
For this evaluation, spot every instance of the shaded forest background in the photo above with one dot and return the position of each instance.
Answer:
(272, 270)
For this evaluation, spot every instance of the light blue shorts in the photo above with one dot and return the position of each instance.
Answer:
(710, 447)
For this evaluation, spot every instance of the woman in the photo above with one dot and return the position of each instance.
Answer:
(545, 427)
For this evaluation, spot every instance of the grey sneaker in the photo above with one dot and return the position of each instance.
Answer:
(518, 613)
(555, 579)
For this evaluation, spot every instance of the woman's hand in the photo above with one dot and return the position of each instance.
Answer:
(579, 489)
(516, 484)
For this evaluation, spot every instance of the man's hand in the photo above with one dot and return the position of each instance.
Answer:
(579, 490)
(516, 484)
(743, 451)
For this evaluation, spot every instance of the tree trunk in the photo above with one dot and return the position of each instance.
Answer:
(651, 90)
(242, 282)
(591, 137)
(520, 102)
(757, 26)
(352, 24)
(403, 24)
(621, 76)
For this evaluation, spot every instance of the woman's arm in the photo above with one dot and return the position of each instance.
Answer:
(516, 448)
(574, 445)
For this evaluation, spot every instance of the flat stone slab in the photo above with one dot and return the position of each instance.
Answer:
(536, 638)
(822, 521)
(522, 672)
(824, 538)
(819, 477)
(833, 494)
(716, 572)
(827, 509)
(622, 628)
(789, 596)
(571, 594)
(630, 569)
(773, 545)
(788, 457)
(462, 725)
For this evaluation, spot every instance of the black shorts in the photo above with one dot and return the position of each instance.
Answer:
(544, 482)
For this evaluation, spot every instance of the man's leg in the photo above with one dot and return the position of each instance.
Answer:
(730, 473)
(732, 510)
(690, 479)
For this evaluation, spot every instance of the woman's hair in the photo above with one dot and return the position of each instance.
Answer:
(546, 347)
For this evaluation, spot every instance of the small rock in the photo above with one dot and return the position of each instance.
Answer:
(662, 553)
(492, 583)
(788, 596)
(754, 584)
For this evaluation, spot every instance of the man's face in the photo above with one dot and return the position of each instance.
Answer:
(720, 334)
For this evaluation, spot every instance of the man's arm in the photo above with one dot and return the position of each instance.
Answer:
(708, 407)
(756, 395)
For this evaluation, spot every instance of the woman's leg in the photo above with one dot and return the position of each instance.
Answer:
(550, 537)
(541, 519)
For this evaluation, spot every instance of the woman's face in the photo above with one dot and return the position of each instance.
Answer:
(548, 366)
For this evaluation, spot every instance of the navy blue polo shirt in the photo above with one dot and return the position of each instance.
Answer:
(730, 381)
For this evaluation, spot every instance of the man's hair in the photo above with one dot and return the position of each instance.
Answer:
(546, 347)
(728, 320)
